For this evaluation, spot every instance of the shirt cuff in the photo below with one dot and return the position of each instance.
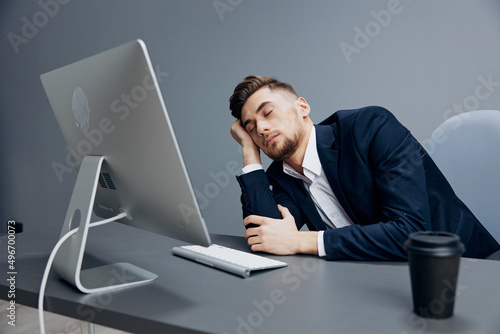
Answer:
(251, 168)
(321, 244)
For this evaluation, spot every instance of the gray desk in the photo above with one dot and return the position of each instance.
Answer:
(309, 296)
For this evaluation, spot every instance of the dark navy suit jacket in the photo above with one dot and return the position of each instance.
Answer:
(384, 180)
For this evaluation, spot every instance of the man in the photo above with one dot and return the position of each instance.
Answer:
(359, 180)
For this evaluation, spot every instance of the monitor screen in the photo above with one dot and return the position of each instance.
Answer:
(110, 106)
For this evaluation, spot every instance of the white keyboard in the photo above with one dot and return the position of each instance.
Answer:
(228, 259)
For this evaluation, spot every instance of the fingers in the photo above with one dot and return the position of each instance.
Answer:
(276, 236)
(284, 211)
(237, 131)
(261, 220)
(251, 223)
(257, 248)
(251, 232)
(241, 135)
(253, 219)
(254, 240)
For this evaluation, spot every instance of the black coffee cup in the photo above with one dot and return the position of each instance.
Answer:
(434, 260)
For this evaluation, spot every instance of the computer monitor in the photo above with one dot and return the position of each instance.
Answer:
(119, 136)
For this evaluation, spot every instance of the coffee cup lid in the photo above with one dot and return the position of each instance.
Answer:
(434, 243)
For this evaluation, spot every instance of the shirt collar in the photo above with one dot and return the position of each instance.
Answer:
(311, 163)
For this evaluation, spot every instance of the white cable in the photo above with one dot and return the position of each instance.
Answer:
(91, 328)
(51, 259)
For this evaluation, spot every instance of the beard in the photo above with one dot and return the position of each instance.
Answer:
(288, 147)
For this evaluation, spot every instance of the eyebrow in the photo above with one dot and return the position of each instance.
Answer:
(262, 105)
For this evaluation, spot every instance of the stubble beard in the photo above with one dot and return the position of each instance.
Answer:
(288, 147)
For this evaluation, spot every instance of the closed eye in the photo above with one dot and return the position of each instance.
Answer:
(265, 115)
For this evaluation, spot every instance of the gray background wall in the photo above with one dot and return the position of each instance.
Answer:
(423, 62)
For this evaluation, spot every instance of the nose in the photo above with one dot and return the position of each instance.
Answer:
(262, 127)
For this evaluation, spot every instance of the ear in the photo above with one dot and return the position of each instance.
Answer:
(304, 107)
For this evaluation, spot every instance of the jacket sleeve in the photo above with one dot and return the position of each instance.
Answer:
(258, 197)
(386, 148)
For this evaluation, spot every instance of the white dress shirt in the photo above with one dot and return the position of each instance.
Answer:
(316, 183)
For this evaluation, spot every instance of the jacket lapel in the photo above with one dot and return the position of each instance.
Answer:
(307, 205)
(296, 189)
(329, 158)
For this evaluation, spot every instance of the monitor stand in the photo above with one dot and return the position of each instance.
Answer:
(68, 261)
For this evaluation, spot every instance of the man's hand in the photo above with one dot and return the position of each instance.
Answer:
(279, 236)
(240, 134)
(251, 152)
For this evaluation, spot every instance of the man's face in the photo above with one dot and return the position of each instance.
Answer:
(274, 119)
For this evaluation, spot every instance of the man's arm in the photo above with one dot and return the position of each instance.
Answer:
(257, 197)
(388, 152)
(255, 186)
(270, 227)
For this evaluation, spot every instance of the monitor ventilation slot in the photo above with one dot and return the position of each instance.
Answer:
(106, 182)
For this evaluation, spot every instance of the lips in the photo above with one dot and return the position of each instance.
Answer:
(270, 140)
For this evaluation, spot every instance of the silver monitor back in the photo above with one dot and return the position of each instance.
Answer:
(110, 105)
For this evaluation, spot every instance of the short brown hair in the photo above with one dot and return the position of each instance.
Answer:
(250, 85)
